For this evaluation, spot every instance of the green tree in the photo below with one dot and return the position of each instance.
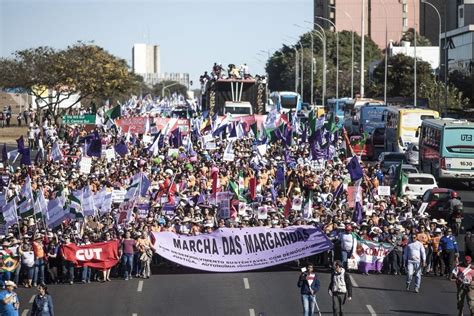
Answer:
(464, 82)
(82, 69)
(175, 88)
(409, 36)
(281, 65)
(400, 83)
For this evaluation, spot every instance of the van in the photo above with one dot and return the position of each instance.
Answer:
(417, 184)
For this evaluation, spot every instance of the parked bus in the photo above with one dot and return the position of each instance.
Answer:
(447, 149)
(286, 101)
(371, 117)
(402, 124)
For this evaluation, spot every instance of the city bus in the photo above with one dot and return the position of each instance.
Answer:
(352, 114)
(286, 101)
(336, 107)
(401, 124)
(371, 117)
(446, 149)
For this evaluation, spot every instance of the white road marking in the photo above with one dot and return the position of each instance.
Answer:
(140, 286)
(134, 314)
(25, 312)
(371, 310)
(32, 299)
(354, 283)
(251, 312)
(246, 283)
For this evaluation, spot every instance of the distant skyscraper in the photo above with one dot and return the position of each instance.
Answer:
(146, 59)
(346, 14)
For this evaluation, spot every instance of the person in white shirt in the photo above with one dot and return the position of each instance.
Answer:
(414, 257)
(348, 244)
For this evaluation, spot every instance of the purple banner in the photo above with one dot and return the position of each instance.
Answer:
(235, 249)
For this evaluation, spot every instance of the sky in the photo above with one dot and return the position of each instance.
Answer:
(192, 34)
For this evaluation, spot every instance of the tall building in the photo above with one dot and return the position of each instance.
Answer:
(429, 20)
(146, 59)
(397, 15)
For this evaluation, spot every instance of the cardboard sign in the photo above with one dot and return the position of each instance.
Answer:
(110, 154)
(211, 146)
(85, 165)
(207, 138)
(383, 190)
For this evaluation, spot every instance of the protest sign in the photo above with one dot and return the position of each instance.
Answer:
(110, 154)
(118, 196)
(262, 212)
(173, 151)
(383, 190)
(169, 209)
(352, 193)
(85, 165)
(101, 255)
(229, 157)
(297, 203)
(211, 146)
(207, 138)
(369, 255)
(134, 125)
(125, 211)
(423, 207)
(242, 249)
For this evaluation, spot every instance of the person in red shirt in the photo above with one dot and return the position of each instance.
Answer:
(463, 275)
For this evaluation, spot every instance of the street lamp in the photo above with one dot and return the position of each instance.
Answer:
(296, 63)
(322, 36)
(352, 49)
(386, 54)
(337, 52)
(302, 63)
(414, 52)
(439, 40)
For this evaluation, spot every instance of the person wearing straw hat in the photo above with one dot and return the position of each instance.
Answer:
(9, 302)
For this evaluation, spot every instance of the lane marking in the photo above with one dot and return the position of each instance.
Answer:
(32, 299)
(371, 310)
(25, 312)
(134, 314)
(354, 283)
(246, 283)
(140, 286)
(252, 312)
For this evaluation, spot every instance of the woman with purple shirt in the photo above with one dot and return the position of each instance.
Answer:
(127, 251)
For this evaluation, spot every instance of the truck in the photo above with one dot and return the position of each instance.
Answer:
(235, 96)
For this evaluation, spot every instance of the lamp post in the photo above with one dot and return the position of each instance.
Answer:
(166, 87)
(414, 52)
(298, 42)
(362, 53)
(439, 40)
(337, 52)
(386, 54)
(352, 49)
(322, 36)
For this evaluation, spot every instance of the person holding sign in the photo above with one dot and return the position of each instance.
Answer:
(309, 286)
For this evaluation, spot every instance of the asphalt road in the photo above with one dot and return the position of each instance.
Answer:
(268, 293)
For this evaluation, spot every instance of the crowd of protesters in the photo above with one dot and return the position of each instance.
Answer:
(186, 176)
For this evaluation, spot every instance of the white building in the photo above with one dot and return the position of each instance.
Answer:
(146, 59)
(429, 54)
(151, 78)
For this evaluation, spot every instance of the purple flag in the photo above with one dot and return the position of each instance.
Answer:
(357, 215)
(20, 144)
(355, 169)
(4, 153)
(280, 176)
(25, 157)
(94, 149)
(338, 192)
(121, 148)
(304, 135)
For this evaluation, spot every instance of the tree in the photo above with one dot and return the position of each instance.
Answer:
(54, 76)
(464, 82)
(400, 82)
(175, 88)
(281, 65)
(409, 36)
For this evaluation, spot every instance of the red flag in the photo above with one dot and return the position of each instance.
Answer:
(288, 207)
(100, 255)
(253, 187)
(215, 177)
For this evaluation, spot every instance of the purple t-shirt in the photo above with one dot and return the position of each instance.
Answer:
(128, 245)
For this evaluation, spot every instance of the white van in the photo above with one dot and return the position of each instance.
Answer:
(238, 108)
(417, 184)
